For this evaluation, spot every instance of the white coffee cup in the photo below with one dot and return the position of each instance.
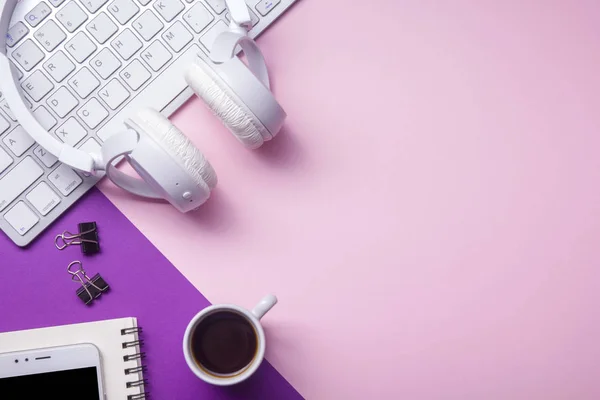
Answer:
(253, 317)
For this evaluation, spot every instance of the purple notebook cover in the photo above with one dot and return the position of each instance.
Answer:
(36, 291)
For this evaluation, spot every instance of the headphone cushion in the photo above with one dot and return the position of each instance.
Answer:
(177, 145)
(226, 105)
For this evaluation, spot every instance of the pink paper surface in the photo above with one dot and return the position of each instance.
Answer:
(429, 218)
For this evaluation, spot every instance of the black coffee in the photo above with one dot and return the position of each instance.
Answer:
(224, 342)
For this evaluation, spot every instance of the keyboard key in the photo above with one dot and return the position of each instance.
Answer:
(84, 82)
(126, 44)
(37, 14)
(177, 36)
(21, 218)
(168, 9)
(102, 28)
(134, 75)
(91, 146)
(93, 5)
(43, 198)
(50, 35)
(28, 55)
(123, 10)
(65, 179)
(18, 141)
(209, 37)
(62, 101)
(143, 2)
(56, 3)
(155, 93)
(147, 25)
(43, 116)
(4, 124)
(7, 109)
(59, 66)
(16, 32)
(80, 47)
(198, 18)
(265, 6)
(105, 63)
(5, 160)
(15, 181)
(114, 94)
(92, 113)
(218, 6)
(71, 132)
(46, 158)
(37, 85)
(71, 16)
(156, 55)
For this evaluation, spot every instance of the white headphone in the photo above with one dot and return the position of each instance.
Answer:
(170, 166)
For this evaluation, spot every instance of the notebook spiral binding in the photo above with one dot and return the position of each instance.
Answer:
(138, 355)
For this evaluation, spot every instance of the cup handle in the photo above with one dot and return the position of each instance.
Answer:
(264, 306)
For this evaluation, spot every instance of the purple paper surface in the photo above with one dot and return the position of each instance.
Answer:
(36, 291)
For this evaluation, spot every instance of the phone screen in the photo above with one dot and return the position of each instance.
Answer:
(81, 383)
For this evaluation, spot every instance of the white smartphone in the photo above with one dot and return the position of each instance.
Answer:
(66, 372)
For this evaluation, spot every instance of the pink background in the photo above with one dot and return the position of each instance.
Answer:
(429, 218)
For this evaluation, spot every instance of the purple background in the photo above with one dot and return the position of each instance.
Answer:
(36, 291)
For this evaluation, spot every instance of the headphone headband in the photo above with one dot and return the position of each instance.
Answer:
(223, 49)
(239, 12)
(14, 97)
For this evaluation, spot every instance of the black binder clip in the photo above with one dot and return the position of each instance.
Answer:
(87, 238)
(91, 288)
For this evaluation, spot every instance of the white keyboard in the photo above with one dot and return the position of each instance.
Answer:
(84, 65)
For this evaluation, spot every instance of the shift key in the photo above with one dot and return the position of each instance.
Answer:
(15, 181)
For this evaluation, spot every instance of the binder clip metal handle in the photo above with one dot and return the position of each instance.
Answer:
(66, 239)
(87, 238)
(91, 288)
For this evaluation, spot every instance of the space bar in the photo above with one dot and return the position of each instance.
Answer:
(157, 95)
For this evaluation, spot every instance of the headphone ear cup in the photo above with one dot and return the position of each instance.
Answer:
(177, 145)
(226, 105)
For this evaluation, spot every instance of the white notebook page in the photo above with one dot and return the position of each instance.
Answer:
(106, 335)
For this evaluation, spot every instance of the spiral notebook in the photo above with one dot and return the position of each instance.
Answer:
(117, 339)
